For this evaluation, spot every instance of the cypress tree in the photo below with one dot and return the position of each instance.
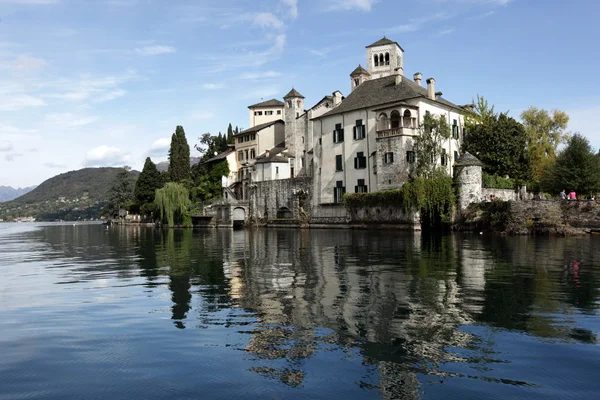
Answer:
(179, 156)
(147, 183)
(230, 134)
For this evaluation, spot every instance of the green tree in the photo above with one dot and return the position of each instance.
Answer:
(179, 157)
(481, 112)
(545, 132)
(210, 145)
(148, 182)
(576, 168)
(172, 204)
(428, 146)
(230, 139)
(500, 143)
(207, 180)
(121, 193)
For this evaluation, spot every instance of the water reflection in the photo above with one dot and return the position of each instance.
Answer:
(384, 314)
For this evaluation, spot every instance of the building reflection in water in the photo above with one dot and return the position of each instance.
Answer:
(398, 301)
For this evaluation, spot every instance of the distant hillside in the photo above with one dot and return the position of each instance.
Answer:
(8, 193)
(72, 195)
(164, 166)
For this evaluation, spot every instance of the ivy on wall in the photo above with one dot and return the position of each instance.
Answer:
(429, 196)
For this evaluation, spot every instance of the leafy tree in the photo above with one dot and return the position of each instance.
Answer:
(207, 180)
(576, 168)
(121, 192)
(210, 145)
(179, 156)
(428, 146)
(172, 204)
(148, 182)
(500, 142)
(481, 113)
(545, 133)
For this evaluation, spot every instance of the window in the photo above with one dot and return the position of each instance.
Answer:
(427, 113)
(240, 155)
(360, 187)
(338, 191)
(297, 114)
(320, 141)
(359, 130)
(444, 158)
(278, 112)
(302, 162)
(376, 60)
(410, 156)
(246, 154)
(246, 138)
(252, 154)
(257, 112)
(356, 82)
(387, 58)
(268, 112)
(289, 104)
(360, 161)
(339, 163)
(253, 136)
(455, 155)
(388, 158)
(338, 134)
(276, 170)
(454, 130)
(381, 59)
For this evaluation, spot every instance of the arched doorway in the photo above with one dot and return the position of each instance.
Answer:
(395, 119)
(285, 212)
(406, 119)
(382, 122)
(239, 216)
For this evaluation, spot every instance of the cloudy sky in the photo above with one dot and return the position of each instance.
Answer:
(105, 82)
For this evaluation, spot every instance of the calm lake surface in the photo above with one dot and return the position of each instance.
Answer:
(89, 312)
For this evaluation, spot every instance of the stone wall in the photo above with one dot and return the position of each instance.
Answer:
(382, 215)
(499, 194)
(284, 196)
(533, 217)
(329, 215)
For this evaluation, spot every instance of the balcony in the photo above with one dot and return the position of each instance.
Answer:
(385, 133)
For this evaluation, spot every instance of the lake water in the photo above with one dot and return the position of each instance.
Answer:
(89, 312)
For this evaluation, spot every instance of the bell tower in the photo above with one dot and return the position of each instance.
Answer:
(293, 109)
(358, 76)
(384, 57)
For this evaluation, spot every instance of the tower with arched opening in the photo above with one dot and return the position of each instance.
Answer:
(384, 57)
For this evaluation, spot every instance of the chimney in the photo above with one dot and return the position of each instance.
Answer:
(337, 98)
(398, 75)
(431, 88)
(438, 95)
(266, 153)
(417, 77)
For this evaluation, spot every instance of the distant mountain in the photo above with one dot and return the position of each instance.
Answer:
(8, 193)
(164, 166)
(72, 195)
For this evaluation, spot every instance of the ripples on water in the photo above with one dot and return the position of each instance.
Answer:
(88, 312)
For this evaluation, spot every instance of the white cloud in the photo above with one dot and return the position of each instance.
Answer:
(259, 75)
(268, 21)
(26, 64)
(154, 50)
(68, 120)
(19, 102)
(293, 8)
(415, 24)
(213, 86)
(54, 165)
(336, 5)
(5, 145)
(96, 89)
(263, 92)
(161, 144)
(446, 32)
(11, 156)
(106, 156)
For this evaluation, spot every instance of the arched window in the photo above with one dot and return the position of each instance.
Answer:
(381, 59)
(376, 60)
(289, 104)
(395, 119)
(382, 122)
(356, 82)
(387, 58)
(406, 119)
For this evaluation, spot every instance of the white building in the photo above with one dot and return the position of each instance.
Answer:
(366, 143)
(266, 111)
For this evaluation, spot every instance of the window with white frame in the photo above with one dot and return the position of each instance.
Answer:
(388, 158)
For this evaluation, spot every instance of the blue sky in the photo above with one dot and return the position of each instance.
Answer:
(105, 82)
